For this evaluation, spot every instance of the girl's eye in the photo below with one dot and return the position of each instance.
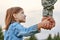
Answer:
(22, 12)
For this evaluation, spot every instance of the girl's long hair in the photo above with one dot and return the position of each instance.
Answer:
(9, 16)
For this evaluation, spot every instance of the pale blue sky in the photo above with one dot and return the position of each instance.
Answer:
(33, 11)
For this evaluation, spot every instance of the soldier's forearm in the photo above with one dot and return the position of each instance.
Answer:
(47, 12)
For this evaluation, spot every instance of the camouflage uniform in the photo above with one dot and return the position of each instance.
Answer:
(48, 6)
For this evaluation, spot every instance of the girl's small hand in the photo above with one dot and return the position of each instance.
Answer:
(49, 24)
(44, 24)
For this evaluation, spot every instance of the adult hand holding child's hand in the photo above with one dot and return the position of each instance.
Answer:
(47, 23)
(50, 22)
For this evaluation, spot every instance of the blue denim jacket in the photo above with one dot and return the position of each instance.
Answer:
(16, 31)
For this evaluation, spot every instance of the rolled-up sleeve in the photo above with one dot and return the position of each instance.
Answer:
(22, 31)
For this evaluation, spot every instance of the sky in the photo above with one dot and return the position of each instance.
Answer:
(33, 10)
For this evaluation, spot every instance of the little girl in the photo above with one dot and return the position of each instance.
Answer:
(14, 30)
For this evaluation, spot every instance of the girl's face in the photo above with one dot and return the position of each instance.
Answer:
(20, 17)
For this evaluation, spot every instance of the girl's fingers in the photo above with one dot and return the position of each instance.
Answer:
(48, 22)
(46, 25)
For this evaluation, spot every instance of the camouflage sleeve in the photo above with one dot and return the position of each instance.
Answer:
(54, 2)
(48, 6)
(47, 3)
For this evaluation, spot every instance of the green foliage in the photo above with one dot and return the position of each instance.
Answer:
(49, 37)
(56, 37)
(31, 38)
(26, 39)
(1, 34)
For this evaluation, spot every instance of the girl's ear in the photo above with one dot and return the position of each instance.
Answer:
(14, 15)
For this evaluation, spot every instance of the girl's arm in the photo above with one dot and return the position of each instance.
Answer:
(21, 31)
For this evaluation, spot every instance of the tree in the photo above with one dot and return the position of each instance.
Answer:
(56, 37)
(1, 34)
(26, 39)
(49, 37)
(33, 37)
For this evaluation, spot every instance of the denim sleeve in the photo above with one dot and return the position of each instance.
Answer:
(21, 31)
